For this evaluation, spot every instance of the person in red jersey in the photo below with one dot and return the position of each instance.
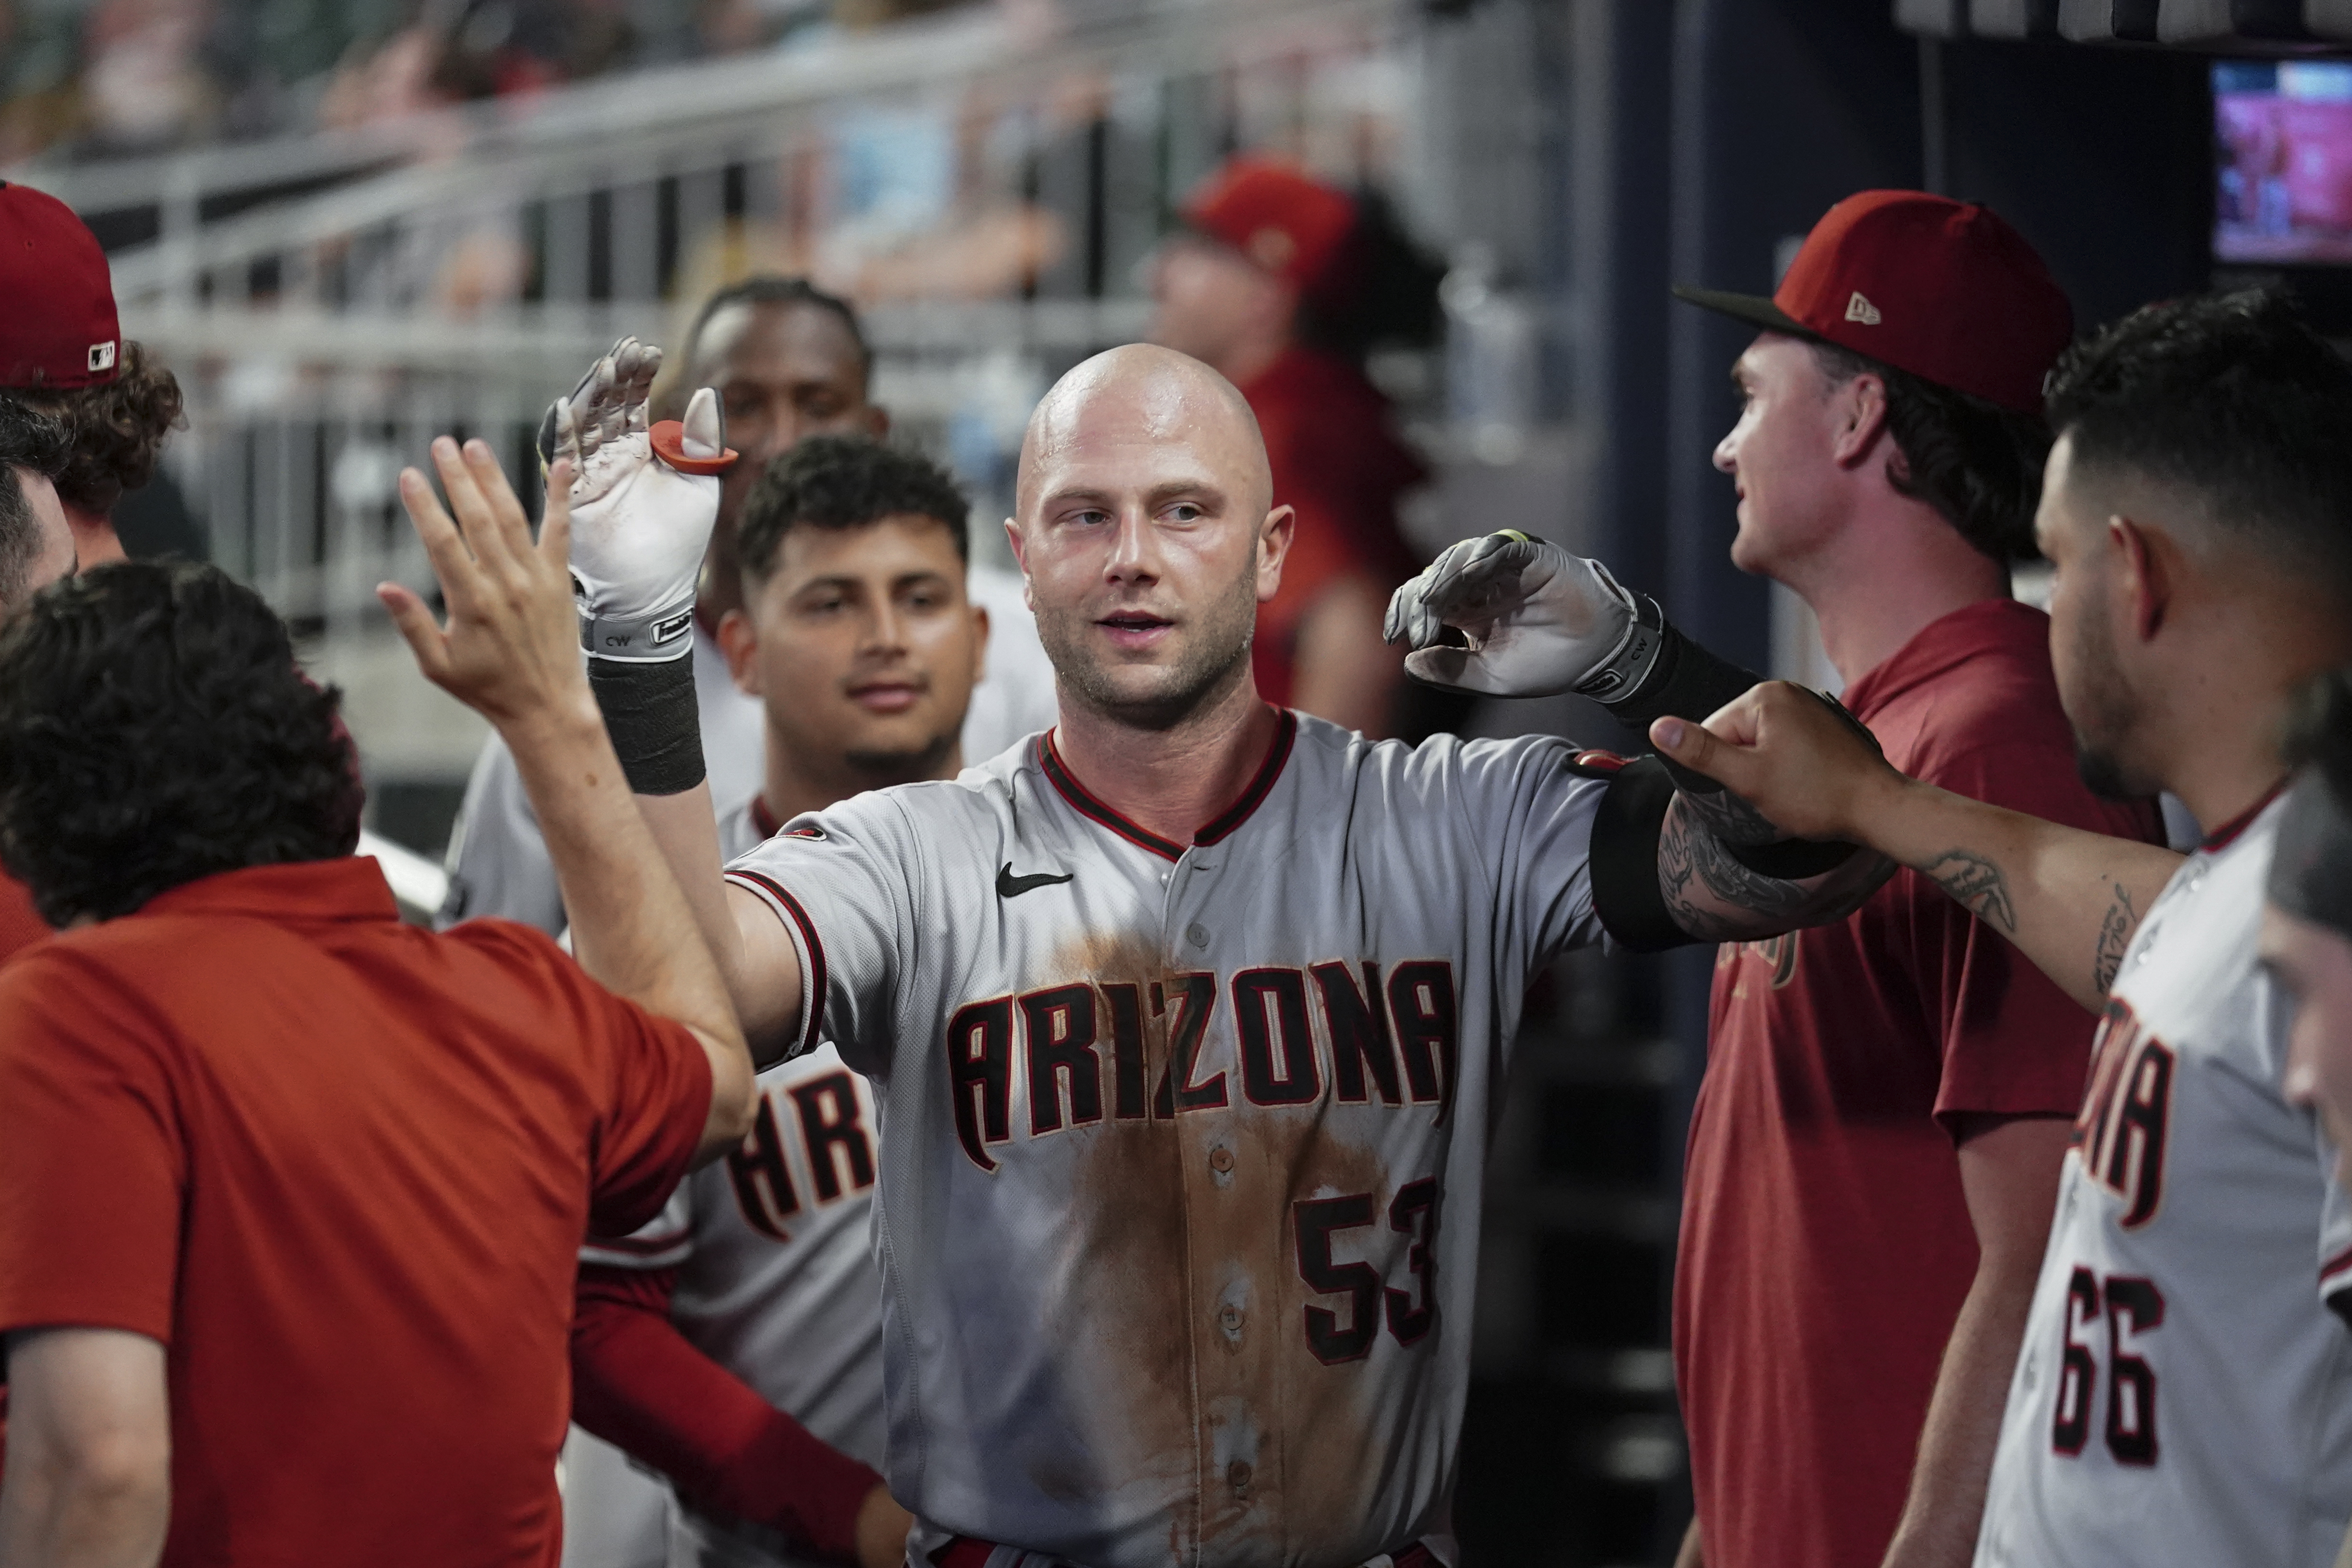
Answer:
(290, 1191)
(1875, 1149)
(1269, 272)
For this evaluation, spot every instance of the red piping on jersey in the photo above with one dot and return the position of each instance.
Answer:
(2220, 837)
(815, 979)
(1219, 826)
(763, 819)
(2336, 1265)
(640, 1246)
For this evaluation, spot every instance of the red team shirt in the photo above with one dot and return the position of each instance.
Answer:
(341, 1166)
(21, 924)
(1826, 1245)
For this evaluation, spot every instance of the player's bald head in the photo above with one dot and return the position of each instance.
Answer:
(1142, 395)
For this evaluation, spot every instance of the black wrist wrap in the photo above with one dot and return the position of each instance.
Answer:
(1686, 680)
(1625, 858)
(657, 728)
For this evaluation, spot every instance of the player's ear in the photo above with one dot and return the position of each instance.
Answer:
(1274, 536)
(739, 641)
(979, 643)
(2143, 574)
(1014, 541)
(1861, 417)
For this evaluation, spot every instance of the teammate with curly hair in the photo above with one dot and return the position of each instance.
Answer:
(62, 354)
(290, 1191)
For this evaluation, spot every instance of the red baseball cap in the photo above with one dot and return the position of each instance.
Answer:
(58, 327)
(1944, 289)
(1292, 226)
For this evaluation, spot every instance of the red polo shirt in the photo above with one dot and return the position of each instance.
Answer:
(21, 924)
(341, 1166)
(1826, 1244)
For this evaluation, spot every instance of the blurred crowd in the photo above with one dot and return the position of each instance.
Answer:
(121, 76)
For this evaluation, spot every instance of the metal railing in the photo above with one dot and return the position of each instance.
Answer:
(454, 270)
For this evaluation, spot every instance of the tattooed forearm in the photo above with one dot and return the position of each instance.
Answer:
(1729, 818)
(1693, 862)
(1978, 884)
(2115, 930)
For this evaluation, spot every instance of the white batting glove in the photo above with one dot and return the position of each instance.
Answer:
(644, 501)
(1534, 619)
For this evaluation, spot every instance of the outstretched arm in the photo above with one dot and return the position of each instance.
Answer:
(509, 653)
(1714, 894)
(2069, 899)
(1513, 616)
(640, 501)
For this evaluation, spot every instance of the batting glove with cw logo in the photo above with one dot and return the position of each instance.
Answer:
(644, 497)
(1512, 616)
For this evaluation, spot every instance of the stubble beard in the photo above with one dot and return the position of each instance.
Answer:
(1216, 656)
(2107, 711)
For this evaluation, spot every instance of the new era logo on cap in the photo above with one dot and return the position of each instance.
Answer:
(102, 356)
(1944, 289)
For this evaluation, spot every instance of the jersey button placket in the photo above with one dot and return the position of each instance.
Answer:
(1228, 1277)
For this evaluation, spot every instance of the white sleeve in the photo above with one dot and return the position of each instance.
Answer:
(1530, 813)
(498, 863)
(662, 1242)
(839, 882)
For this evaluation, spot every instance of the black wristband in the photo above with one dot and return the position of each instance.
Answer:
(1683, 679)
(1623, 859)
(656, 725)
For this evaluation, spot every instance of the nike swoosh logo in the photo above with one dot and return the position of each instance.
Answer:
(1011, 886)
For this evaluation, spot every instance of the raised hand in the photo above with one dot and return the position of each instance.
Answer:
(512, 648)
(643, 498)
(1532, 620)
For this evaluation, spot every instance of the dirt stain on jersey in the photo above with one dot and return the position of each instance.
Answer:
(1184, 1229)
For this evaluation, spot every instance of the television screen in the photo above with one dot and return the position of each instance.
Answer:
(2284, 157)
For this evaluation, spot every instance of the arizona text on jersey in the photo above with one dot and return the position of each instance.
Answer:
(1183, 1144)
(2184, 1395)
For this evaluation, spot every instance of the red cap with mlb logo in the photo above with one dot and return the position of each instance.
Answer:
(1944, 289)
(58, 327)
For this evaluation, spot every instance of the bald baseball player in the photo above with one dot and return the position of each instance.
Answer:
(735, 1344)
(2185, 1392)
(1188, 1018)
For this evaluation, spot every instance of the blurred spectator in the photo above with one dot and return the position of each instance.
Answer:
(142, 76)
(1281, 283)
(62, 354)
(145, 83)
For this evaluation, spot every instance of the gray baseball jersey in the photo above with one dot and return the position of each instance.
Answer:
(1179, 1205)
(498, 864)
(775, 1269)
(2184, 1395)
